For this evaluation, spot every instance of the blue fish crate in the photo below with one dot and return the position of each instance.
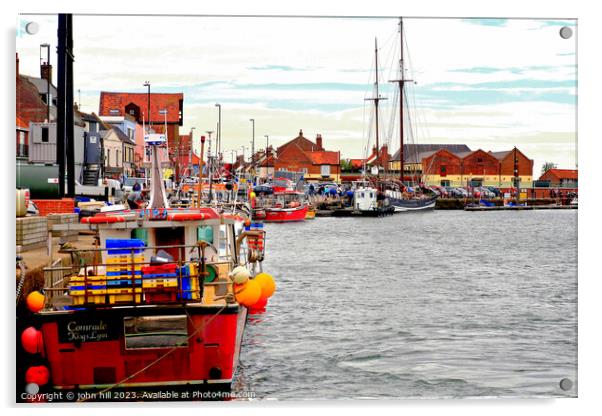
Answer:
(160, 275)
(184, 270)
(125, 273)
(123, 283)
(124, 246)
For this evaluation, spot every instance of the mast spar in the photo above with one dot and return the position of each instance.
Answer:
(401, 81)
(376, 99)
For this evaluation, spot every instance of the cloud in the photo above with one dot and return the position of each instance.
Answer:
(487, 22)
(483, 81)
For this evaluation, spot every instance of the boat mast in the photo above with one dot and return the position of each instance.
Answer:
(376, 99)
(401, 81)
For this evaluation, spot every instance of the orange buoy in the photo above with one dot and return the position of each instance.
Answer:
(267, 284)
(32, 341)
(247, 222)
(35, 301)
(38, 375)
(247, 294)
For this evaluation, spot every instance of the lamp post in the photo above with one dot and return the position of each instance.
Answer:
(219, 129)
(210, 167)
(148, 117)
(190, 151)
(252, 120)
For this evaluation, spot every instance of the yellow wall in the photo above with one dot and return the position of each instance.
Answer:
(489, 180)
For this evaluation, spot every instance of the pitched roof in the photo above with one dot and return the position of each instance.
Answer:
(117, 101)
(356, 163)
(122, 136)
(563, 173)
(500, 155)
(304, 143)
(21, 124)
(324, 158)
(411, 152)
(29, 106)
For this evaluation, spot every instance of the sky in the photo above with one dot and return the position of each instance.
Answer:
(489, 83)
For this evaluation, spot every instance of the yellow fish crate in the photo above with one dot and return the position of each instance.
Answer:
(124, 258)
(92, 299)
(124, 295)
(158, 283)
(96, 285)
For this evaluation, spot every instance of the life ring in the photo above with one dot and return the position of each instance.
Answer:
(186, 216)
(102, 220)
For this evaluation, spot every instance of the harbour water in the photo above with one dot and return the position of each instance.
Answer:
(432, 305)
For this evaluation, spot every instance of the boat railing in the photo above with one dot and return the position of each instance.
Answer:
(87, 265)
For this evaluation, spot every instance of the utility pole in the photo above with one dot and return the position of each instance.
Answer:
(252, 120)
(65, 132)
(516, 177)
(377, 98)
(401, 82)
(267, 158)
(218, 145)
(200, 184)
(148, 116)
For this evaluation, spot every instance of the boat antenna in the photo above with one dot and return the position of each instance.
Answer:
(376, 98)
(401, 81)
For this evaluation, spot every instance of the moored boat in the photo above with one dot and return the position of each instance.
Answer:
(163, 312)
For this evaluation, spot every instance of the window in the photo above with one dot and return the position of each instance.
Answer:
(325, 170)
(443, 170)
(155, 331)
(44, 134)
(303, 170)
(108, 161)
(445, 182)
(117, 160)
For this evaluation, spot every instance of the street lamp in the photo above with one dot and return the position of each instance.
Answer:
(147, 84)
(219, 128)
(252, 120)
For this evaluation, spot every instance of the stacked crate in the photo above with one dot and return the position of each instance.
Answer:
(95, 286)
(32, 232)
(65, 235)
(190, 282)
(124, 270)
(160, 283)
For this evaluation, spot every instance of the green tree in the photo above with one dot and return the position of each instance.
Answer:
(346, 165)
(547, 166)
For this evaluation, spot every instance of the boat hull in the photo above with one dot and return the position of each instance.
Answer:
(87, 353)
(285, 214)
(409, 205)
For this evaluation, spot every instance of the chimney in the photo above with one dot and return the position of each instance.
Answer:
(319, 142)
(300, 133)
(17, 65)
(46, 71)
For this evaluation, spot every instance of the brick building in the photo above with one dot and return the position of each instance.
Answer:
(444, 167)
(164, 108)
(302, 155)
(561, 178)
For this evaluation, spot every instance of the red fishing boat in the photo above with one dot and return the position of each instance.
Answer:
(280, 202)
(154, 317)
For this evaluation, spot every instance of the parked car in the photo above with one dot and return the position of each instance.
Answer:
(494, 190)
(463, 192)
(488, 192)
